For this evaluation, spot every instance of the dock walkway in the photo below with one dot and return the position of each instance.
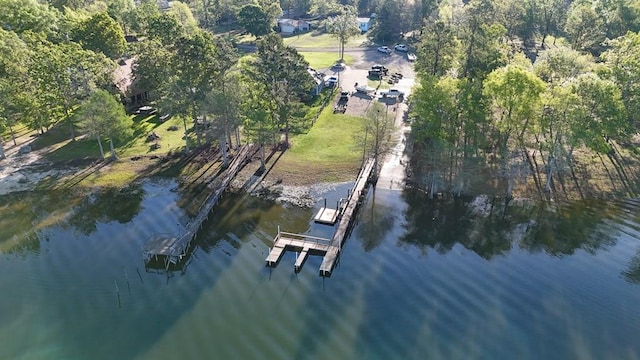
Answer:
(330, 248)
(172, 249)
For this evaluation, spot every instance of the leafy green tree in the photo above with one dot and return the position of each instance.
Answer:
(28, 15)
(208, 12)
(602, 111)
(618, 16)
(255, 20)
(165, 27)
(482, 40)
(152, 66)
(516, 95)
(183, 13)
(104, 116)
(623, 67)
(223, 104)
(258, 115)
(101, 33)
(137, 19)
(585, 28)
(62, 75)
(322, 7)
(378, 129)
(343, 26)
(560, 122)
(555, 65)
(435, 131)
(119, 10)
(14, 62)
(553, 15)
(387, 25)
(283, 74)
(193, 67)
(437, 50)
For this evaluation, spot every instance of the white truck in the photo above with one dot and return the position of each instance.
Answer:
(392, 93)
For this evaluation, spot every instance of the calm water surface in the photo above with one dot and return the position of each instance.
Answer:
(417, 279)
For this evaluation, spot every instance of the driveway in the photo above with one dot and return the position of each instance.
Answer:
(357, 72)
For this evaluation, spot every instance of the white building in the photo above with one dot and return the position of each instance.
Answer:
(290, 26)
(363, 24)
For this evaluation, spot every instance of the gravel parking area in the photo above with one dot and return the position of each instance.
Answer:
(396, 62)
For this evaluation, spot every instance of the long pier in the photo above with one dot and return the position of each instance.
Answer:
(172, 249)
(330, 248)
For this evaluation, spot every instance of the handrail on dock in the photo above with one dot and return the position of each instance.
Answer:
(317, 240)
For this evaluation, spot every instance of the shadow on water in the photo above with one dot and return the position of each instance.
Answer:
(375, 221)
(111, 204)
(485, 227)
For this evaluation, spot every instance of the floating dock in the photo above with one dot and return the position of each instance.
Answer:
(327, 215)
(329, 247)
(171, 249)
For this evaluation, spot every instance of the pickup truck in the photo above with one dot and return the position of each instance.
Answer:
(341, 105)
(392, 93)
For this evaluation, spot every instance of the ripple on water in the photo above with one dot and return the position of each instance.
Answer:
(386, 298)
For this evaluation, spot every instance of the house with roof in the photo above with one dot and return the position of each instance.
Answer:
(291, 26)
(364, 24)
(125, 82)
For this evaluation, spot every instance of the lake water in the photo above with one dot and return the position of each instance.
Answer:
(450, 279)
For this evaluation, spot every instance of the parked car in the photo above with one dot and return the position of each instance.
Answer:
(392, 93)
(338, 66)
(330, 81)
(401, 47)
(384, 49)
(411, 56)
(380, 68)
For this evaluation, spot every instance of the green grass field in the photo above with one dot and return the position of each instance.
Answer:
(60, 148)
(321, 60)
(315, 39)
(327, 153)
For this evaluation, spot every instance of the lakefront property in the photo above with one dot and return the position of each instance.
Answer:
(274, 180)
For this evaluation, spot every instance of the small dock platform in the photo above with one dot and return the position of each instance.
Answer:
(327, 216)
(329, 247)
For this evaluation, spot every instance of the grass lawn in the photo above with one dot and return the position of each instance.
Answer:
(315, 39)
(60, 148)
(327, 153)
(377, 84)
(321, 60)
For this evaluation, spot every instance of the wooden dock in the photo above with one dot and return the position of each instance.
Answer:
(171, 249)
(297, 242)
(330, 248)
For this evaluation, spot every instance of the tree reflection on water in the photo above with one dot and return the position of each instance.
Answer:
(489, 229)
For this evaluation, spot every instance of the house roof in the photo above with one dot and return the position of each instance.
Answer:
(123, 75)
(292, 22)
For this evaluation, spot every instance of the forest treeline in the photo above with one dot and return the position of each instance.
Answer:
(537, 94)
(58, 64)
